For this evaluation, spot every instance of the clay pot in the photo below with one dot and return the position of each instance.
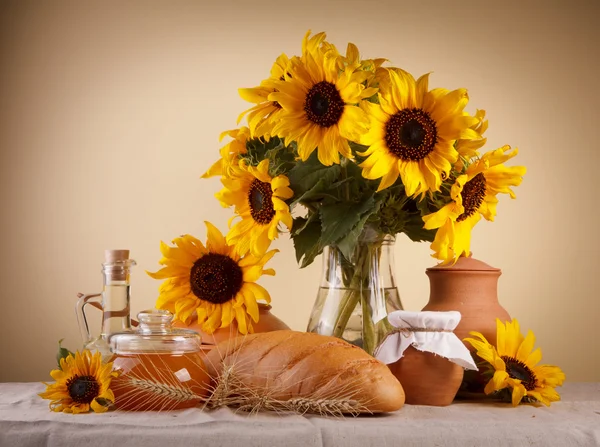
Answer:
(427, 379)
(267, 322)
(470, 287)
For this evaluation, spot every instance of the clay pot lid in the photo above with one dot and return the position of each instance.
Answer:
(463, 264)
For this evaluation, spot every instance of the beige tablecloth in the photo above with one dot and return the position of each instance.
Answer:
(575, 421)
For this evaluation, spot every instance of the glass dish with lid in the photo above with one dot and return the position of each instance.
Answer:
(159, 367)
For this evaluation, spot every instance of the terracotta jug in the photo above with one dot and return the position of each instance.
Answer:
(267, 322)
(470, 287)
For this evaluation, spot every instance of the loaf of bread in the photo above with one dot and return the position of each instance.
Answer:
(307, 368)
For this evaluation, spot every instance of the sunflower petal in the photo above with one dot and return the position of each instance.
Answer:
(97, 407)
(526, 347)
(518, 393)
(240, 316)
(513, 338)
(216, 241)
(497, 382)
(500, 337)
(534, 358)
(250, 302)
(259, 292)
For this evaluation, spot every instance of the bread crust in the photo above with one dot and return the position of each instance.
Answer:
(291, 365)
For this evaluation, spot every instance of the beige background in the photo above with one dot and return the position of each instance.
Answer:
(110, 112)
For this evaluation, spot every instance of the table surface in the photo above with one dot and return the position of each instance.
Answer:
(25, 420)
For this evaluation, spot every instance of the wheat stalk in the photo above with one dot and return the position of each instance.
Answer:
(326, 406)
(178, 393)
(232, 391)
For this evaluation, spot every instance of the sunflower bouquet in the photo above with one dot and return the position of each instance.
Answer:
(339, 150)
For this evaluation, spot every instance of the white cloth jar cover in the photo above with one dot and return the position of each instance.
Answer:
(425, 331)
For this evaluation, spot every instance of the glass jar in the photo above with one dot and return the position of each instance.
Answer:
(160, 367)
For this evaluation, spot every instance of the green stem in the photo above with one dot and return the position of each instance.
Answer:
(359, 290)
(353, 278)
(344, 173)
(370, 335)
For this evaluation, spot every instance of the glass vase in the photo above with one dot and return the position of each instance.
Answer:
(356, 294)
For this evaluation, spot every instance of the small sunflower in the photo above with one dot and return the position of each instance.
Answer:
(317, 43)
(320, 104)
(82, 382)
(351, 59)
(263, 116)
(473, 195)
(369, 66)
(230, 152)
(259, 200)
(468, 149)
(515, 365)
(212, 281)
(413, 131)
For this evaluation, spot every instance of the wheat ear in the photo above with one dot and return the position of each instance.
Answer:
(231, 390)
(178, 393)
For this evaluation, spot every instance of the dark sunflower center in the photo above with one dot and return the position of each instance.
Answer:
(411, 134)
(216, 278)
(261, 202)
(519, 370)
(83, 389)
(472, 196)
(324, 105)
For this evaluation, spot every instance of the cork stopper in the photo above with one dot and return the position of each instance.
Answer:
(111, 256)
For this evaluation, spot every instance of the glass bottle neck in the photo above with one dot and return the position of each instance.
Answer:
(116, 297)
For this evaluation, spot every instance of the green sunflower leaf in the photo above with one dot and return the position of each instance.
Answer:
(322, 189)
(300, 223)
(338, 219)
(307, 240)
(306, 175)
(415, 231)
(348, 243)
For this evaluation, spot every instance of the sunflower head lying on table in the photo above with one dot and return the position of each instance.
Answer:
(514, 366)
(82, 383)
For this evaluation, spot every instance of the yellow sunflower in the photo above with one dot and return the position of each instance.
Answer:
(468, 149)
(263, 116)
(259, 200)
(320, 105)
(82, 382)
(413, 131)
(353, 59)
(515, 365)
(369, 67)
(230, 152)
(473, 195)
(212, 281)
(316, 44)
